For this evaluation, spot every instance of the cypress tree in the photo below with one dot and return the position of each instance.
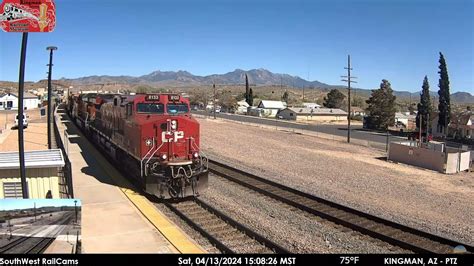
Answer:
(285, 97)
(250, 102)
(381, 107)
(444, 105)
(424, 106)
(247, 91)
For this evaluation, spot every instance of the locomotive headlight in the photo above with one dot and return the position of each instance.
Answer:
(164, 157)
(174, 124)
(196, 154)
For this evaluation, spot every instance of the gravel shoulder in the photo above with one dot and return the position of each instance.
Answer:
(352, 175)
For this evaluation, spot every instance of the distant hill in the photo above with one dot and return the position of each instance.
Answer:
(462, 97)
(256, 77)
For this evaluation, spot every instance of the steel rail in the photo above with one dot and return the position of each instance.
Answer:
(376, 227)
(231, 222)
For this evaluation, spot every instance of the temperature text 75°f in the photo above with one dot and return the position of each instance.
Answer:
(349, 259)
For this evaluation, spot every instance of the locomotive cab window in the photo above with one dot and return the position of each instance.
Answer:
(177, 108)
(150, 108)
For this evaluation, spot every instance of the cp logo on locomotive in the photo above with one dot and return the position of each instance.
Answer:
(171, 136)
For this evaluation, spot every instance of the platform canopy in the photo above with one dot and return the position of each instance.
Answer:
(33, 159)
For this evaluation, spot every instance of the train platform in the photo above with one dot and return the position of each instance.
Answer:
(115, 218)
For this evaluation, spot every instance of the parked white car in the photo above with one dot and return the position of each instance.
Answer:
(25, 121)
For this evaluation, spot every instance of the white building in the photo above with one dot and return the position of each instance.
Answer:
(270, 108)
(312, 114)
(9, 101)
(242, 107)
(311, 105)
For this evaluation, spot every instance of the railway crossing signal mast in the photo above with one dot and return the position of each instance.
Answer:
(349, 81)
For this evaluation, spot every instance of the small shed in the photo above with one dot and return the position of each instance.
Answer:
(314, 114)
(43, 174)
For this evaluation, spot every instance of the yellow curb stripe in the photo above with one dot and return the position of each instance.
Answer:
(179, 240)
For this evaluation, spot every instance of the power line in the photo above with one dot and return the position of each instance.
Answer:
(349, 81)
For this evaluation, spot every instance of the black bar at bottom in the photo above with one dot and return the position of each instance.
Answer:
(254, 259)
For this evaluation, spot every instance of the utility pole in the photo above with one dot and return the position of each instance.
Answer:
(349, 81)
(51, 49)
(21, 85)
(35, 210)
(303, 93)
(214, 101)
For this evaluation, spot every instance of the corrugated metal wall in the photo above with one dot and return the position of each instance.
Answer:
(40, 181)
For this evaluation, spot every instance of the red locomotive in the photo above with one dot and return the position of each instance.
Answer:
(153, 137)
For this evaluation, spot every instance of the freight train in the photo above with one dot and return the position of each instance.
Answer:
(152, 137)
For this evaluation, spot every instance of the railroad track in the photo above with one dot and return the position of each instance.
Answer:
(226, 234)
(40, 246)
(387, 231)
(7, 247)
(31, 245)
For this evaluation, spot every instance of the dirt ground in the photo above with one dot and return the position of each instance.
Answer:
(352, 175)
(35, 135)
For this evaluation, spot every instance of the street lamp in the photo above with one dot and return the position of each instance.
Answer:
(75, 209)
(51, 49)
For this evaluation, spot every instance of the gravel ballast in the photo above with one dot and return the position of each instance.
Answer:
(351, 175)
(295, 230)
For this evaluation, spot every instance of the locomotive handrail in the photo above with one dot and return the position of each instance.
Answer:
(144, 157)
(151, 155)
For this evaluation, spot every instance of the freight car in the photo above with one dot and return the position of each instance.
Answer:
(152, 137)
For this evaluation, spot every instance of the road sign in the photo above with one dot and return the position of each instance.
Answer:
(27, 15)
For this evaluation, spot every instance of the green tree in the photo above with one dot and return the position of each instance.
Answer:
(334, 99)
(247, 90)
(424, 106)
(444, 105)
(199, 98)
(381, 107)
(250, 101)
(227, 101)
(286, 96)
(358, 101)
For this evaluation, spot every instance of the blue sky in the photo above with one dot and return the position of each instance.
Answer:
(395, 39)
(12, 204)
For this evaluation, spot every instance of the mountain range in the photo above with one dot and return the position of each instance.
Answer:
(257, 77)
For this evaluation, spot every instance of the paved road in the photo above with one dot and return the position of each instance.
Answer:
(338, 130)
